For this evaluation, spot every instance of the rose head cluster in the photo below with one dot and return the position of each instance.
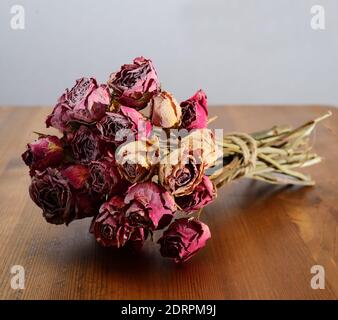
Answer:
(116, 160)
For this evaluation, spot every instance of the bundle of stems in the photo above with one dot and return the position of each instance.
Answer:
(271, 155)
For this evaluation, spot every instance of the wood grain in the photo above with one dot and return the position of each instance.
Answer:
(264, 240)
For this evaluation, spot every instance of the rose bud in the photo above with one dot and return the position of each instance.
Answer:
(202, 142)
(149, 205)
(195, 111)
(136, 160)
(135, 83)
(126, 124)
(110, 227)
(181, 171)
(85, 145)
(52, 193)
(204, 193)
(45, 152)
(105, 178)
(165, 110)
(183, 238)
(85, 102)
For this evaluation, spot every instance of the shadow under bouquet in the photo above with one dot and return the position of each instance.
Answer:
(137, 161)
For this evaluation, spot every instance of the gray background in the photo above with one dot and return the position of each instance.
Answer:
(252, 51)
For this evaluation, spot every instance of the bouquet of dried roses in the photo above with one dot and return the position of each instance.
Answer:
(132, 158)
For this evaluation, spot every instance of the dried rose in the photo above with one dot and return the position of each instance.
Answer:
(110, 227)
(63, 195)
(52, 193)
(127, 124)
(77, 175)
(202, 143)
(183, 238)
(86, 204)
(45, 152)
(86, 102)
(181, 171)
(134, 84)
(136, 160)
(165, 110)
(204, 193)
(86, 145)
(149, 205)
(137, 238)
(105, 178)
(195, 111)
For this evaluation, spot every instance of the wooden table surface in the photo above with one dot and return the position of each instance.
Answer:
(265, 238)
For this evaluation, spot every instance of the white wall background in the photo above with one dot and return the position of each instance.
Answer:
(249, 51)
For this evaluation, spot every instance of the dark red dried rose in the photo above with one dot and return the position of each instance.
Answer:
(63, 195)
(105, 178)
(183, 238)
(52, 193)
(86, 145)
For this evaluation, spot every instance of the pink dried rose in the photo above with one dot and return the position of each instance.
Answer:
(110, 227)
(45, 152)
(195, 111)
(86, 203)
(183, 238)
(86, 102)
(181, 171)
(126, 124)
(149, 206)
(85, 145)
(204, 193)
(105, 178)
(165, 110)
(134, 84)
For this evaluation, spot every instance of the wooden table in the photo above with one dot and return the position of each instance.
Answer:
(265, 239)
